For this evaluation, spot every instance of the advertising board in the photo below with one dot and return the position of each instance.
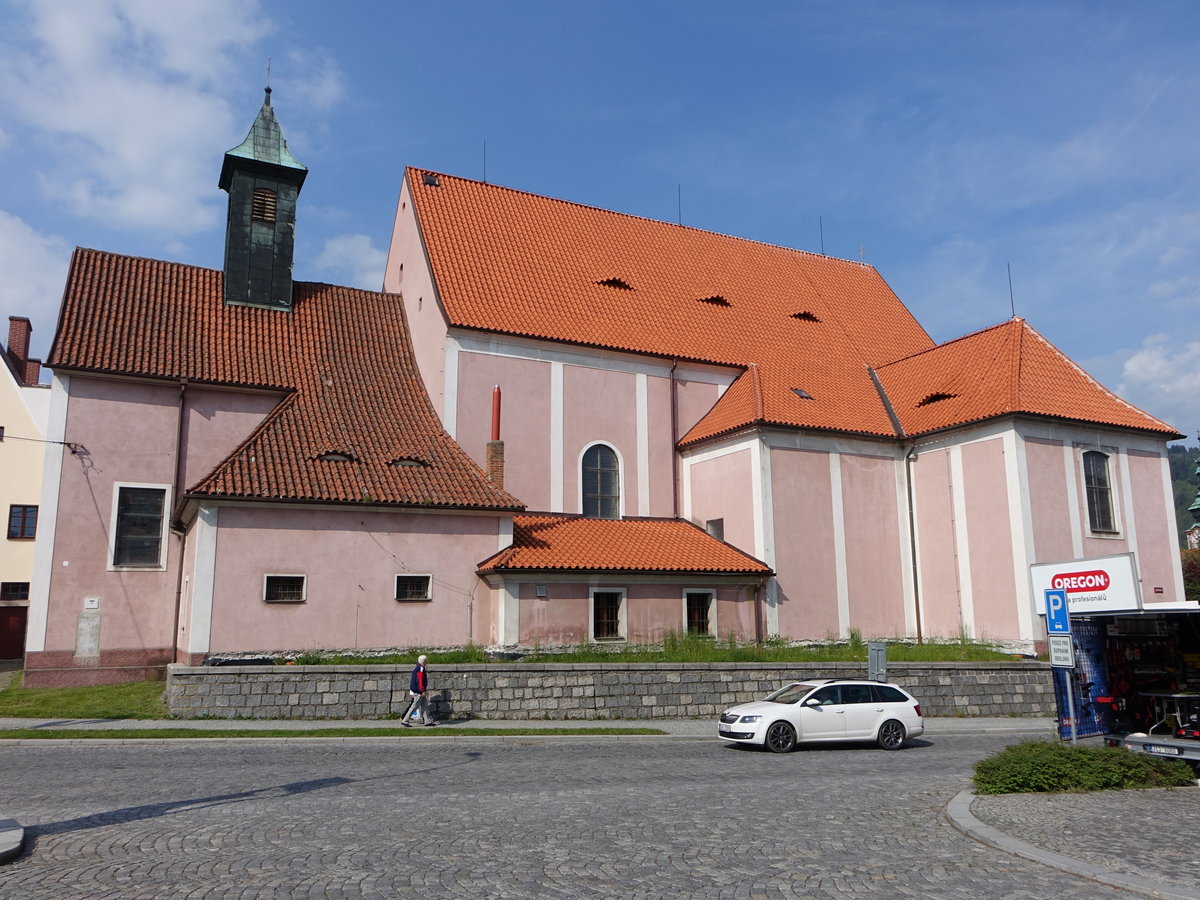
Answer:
(1102, 584)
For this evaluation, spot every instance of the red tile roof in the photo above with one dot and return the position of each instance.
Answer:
(1008, 368)
(573, 543)
(516, 263)
(342, 356)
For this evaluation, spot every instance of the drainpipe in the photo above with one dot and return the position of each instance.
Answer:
(759, 593)
(675, 439)
(912, 535)
(176, 525)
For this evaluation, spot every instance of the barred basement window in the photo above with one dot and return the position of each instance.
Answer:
(608, 615)
(698, 613)
(412, 587)
(285, 588)
(264, 206)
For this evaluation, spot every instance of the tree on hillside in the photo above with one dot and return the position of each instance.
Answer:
(1185, 484)
(1191, 574)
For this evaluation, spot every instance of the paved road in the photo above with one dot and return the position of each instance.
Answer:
(537, 818)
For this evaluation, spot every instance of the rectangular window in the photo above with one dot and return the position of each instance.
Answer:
(138, 531)
(412, 587)
(14, 590)
(698, 612)
(608, 620)
(22, 522)
(285, 588)
(1099, 494)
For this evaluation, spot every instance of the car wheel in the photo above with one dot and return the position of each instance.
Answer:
(781, 737)
(891, 735)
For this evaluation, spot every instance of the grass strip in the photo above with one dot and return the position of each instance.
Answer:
(134, 700)
(448, 730)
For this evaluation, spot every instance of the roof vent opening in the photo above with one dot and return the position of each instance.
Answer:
(335, 456)
(936, 398)
(618, 283)
(715, 300)
(409, 461)
(802, 394)
(805, 316)
(430, 179)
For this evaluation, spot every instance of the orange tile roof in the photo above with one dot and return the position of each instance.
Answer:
(517, 263)
(1008, 368)
(573, 543)
(342, 356)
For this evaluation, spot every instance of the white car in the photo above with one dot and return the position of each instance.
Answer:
(825, 711)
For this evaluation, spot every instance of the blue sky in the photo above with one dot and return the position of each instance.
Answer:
(941, 142)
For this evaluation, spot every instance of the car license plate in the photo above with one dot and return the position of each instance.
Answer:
(1161, 751)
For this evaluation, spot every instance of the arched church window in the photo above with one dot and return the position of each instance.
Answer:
(601, 483)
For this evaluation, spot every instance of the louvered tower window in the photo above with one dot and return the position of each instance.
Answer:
(264, 205)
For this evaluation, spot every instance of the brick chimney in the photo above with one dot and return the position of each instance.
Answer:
(27, 371)
(495, 447)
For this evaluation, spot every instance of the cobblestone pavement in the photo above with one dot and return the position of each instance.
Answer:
(662, 819)
(1122, 830)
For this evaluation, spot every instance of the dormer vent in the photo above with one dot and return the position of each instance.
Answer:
(618, 283)
(802, 394)
(409, 461)
(335, 456)
(715, 300)
(430, 179)
(805, 316)
(936, 398)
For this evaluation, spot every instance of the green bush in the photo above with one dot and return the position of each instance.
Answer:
(1049, 767)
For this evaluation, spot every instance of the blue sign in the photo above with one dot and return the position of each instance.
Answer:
(1058, 618)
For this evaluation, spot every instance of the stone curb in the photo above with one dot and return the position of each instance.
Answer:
(958, 811)
(12, 836)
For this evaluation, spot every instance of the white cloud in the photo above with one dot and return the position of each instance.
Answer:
(122, 99)
(355, 261)
(35, 269)
(1162, 378)
(314, 76)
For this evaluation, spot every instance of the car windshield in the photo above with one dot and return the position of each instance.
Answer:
(791, 693)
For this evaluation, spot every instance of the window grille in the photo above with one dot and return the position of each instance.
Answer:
(285, 589)
(412, 587)
(606, 615)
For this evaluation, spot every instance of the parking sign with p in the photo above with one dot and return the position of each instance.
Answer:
(1058, 618)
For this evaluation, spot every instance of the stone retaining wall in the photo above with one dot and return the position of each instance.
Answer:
(582, 690)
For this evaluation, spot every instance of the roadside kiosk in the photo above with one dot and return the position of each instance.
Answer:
(1134, 666)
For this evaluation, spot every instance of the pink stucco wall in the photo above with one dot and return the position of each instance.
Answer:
(217, 421)
(941, 611)
(1050, 515)
(652, 611)
(1157, 544)
(128, 432)
(524, 422)
(598, 405)
(989, 534)
(351, 559)
(722, 488)
(874, 571)
(693, 401)
(802, 496)
(663, 485)
(407, 272)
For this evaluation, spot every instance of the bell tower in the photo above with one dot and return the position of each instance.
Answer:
(263, 180)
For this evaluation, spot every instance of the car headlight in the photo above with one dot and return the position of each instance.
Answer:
(748, 719)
